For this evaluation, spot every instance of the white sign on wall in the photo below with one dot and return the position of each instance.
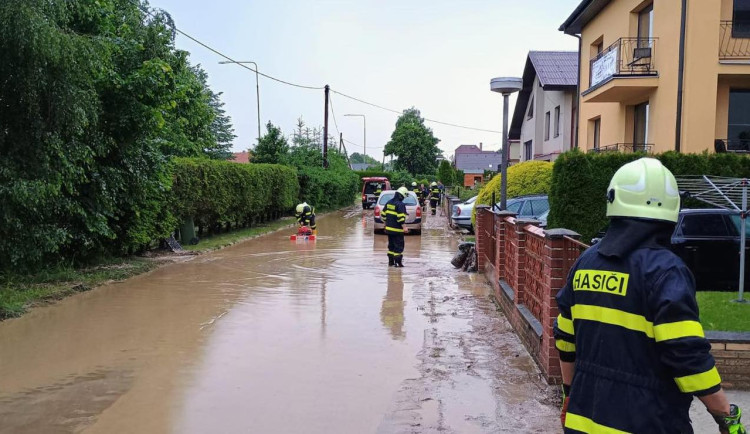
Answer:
(604, 67)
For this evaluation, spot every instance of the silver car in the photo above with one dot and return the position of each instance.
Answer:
(461, 214)
(413, 212)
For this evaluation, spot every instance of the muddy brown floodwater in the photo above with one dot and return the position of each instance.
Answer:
(272, 336)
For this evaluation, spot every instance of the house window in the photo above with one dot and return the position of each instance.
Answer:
(527, 151)
(640, 132)
(741, 19)
(645, 26)
(530, 113)
(597, 132)
(739, 119)
(557, 121)
(546, 126)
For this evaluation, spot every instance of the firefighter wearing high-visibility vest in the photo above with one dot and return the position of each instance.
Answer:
(434, 197)
(395, 217)
(415, 188)
(305, 215)
(378, 190)
(632, 350)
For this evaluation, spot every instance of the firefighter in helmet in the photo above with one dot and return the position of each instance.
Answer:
(434, 197)
(395, 217)
(632, 350)
(305, 215)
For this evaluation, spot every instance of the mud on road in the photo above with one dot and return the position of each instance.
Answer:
(274, 336)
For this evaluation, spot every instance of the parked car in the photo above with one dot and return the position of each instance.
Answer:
(528, 207)
(369, 186)
(543, 219)
(461, 214)
(413, 212)
(708, 240)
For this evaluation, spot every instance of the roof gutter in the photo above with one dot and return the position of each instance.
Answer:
(680, 77)
(578, 92)
(574, 16)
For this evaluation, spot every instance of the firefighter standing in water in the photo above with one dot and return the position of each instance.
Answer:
(305, 215)
(632, 349)
(395, 216)
(434, 197)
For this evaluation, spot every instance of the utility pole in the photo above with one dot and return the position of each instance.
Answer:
(325, 129)
(346, 153)
(341, 140)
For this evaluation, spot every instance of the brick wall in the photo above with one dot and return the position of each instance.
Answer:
(526, 270)
(732, 354)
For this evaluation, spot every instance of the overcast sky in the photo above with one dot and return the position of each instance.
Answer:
(435, 55)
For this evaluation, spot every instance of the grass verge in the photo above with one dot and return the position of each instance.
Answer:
(18, 293)
(223, 240)
(719, 312)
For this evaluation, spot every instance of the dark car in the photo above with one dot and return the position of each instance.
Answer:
(528, 207)
(708, 240)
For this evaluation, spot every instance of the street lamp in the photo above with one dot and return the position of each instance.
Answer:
(364, 119)
(257, 87)
(505, 86)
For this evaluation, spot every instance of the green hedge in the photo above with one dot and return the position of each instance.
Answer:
(220, 192)
(580, 181)
(328, 189)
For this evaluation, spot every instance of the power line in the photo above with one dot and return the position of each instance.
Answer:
(330, 101)
(426, 119)
(219, 53)
(360, 146)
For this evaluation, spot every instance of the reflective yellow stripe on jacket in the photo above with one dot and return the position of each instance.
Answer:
(584, 424)
(660, 332)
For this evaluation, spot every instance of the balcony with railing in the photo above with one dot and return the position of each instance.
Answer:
(626, 70)
(734, 40)
(624, 148)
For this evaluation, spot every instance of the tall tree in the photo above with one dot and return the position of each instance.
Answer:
(413, 144)
(272, 148)
(362, 158)
(445, 173)
(94, 99)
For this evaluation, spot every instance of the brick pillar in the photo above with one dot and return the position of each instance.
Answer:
(518, 279)
(500, 239)
(555, 271)
(483, 231)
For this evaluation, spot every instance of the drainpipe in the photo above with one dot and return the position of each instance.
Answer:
(680, 77)
(578, 90)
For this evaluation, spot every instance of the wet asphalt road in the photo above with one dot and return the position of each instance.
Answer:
(275, 336)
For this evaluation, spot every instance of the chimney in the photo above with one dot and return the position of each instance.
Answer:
(480, 146)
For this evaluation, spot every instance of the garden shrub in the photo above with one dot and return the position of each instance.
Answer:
(219, 192)
(530, 177)
(328, 189)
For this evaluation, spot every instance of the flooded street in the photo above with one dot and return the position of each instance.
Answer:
(277, 336)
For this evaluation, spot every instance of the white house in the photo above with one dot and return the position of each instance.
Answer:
(544, 118)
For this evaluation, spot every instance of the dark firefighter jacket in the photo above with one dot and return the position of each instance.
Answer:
(306, 217)
(395, 214)
(435, 192)
(628, 318)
